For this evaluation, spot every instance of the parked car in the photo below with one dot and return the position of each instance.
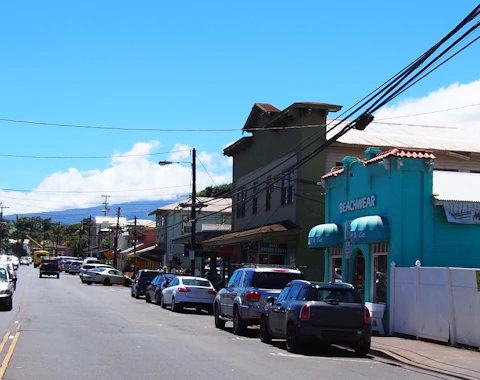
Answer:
(75, 267)
(306, 312)
(6, 290)
(49, 267)
(242, 301)
(86, 267)
(188, 291)
(154, 290)
(141, 281)
(106, 277)
(15, 261)
(9, 267)
(64, 265)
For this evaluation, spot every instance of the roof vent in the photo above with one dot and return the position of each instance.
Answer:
(372, 152)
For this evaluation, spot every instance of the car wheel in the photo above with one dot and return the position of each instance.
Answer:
(40, 275)
(131, 293)
(126, 283)
(147, 298)
(58, 275)
(239, 326)
(265, 336)
(136, 295)
(106, 282)
(219, 323)
(162, 302)
(9, 305)
(89, 282)
(362, 349)
(174, 306)
(292, 342)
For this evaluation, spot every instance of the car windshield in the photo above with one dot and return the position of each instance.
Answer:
(195, 282)
(273, 280)
(333, 295)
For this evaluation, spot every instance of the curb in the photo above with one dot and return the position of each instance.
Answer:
(398, 358)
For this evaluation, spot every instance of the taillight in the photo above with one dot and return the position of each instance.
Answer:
(183, 290)
(305, 313)
(366, 316)
(58, 266)
(253, 296)
(140, 282)
(40, 266)
(213, 291)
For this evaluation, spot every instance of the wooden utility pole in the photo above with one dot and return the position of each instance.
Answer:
(116, 239)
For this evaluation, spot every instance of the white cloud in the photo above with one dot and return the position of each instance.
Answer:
(457, 96)
(131, 176)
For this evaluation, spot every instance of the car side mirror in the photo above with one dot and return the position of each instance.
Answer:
(271, 300)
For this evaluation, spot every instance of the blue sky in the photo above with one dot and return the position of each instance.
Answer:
(193, 65)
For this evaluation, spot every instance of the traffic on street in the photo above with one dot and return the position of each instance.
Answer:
(64, 329)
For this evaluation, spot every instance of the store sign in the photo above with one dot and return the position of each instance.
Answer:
(273, 248)
(462, 212)
(358, 204)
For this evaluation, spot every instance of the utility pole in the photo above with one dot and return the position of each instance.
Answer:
(105, 203)
(89, 253)
(194, 212)
(135, 242)
(116, 239)
(1, 225)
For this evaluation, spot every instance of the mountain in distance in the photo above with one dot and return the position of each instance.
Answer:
(130, 210)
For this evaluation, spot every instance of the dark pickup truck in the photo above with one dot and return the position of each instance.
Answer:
(49, 267)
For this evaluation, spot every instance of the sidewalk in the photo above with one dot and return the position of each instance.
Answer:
(461, 363)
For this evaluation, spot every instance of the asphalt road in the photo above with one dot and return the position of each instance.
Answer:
(68, 330)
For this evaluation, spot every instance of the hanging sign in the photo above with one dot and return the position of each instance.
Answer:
(462, 212)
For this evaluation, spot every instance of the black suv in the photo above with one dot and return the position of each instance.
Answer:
(243, 299)
(142, 280)
(49, 267)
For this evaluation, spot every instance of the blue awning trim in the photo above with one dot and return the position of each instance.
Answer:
(369, 229)
(325, 235)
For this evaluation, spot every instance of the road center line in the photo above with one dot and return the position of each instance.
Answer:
(5, 338)
(5, 362)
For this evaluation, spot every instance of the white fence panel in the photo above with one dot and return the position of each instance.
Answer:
(404, 295)
(436, 303)
(432, 304)
(466, 300)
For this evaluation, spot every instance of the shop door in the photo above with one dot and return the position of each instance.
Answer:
(359, 280)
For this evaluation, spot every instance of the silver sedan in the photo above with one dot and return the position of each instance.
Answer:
(106, 277)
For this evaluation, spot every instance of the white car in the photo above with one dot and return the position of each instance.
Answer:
(188, 291)
(6, 290)
(106, 277)
(15, 261)
(86, 267)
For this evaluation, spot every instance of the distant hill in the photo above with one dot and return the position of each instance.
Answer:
(130, 210)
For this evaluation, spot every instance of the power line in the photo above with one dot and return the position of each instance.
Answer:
(428, 113)
(90, 192)
(91, 157)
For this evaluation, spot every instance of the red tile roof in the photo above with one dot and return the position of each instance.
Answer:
(400, 152)
(395, 152)
(333, 173)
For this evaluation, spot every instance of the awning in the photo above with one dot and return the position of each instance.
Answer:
(369, 229)
(325, 235)
(140, 251)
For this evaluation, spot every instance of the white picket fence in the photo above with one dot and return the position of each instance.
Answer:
(441, 304)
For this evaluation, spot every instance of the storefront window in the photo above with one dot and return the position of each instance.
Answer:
(272, 259)
(380, 277)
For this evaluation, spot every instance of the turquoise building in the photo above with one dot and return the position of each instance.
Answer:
(383, 208)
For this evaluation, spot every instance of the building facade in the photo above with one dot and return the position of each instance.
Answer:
(391, 208)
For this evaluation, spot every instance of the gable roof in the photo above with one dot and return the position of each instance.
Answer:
(408, 136)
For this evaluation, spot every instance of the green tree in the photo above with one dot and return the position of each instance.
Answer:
(216, 191)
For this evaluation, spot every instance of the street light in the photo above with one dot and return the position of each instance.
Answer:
(194, 206)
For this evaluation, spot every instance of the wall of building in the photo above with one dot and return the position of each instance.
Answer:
(455, 245)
